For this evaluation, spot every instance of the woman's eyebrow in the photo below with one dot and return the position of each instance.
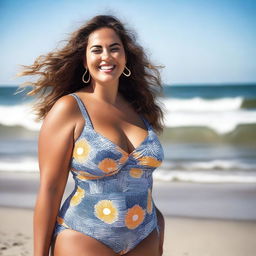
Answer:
(99, 46)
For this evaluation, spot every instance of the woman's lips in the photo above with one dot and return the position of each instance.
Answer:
(107, 68)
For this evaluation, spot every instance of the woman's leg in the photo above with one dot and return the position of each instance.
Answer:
(70, 242)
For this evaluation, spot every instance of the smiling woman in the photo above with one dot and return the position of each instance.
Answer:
(97, 99)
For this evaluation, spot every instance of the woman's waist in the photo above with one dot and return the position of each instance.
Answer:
(126, 183)
(82, 199)
(82, 194)
(118, 209)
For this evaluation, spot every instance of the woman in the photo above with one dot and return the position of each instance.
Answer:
(98, 102)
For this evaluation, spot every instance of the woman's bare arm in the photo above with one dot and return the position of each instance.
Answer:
(54, 153)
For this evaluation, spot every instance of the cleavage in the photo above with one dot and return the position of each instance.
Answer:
(117, 136)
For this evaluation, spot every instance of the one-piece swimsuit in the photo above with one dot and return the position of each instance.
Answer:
(112, 197)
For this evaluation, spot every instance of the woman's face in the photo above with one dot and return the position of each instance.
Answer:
(105, 56)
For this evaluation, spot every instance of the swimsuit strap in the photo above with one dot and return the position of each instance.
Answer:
(83, 110)
(148, 125)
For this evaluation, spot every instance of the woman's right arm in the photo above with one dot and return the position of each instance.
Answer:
(55, 146)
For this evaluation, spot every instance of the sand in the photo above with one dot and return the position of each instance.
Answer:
(183, 236)
(16, 230)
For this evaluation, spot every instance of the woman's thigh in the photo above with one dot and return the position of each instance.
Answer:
(70, 242)
(149, 246)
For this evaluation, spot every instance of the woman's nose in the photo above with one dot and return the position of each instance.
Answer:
(106, 55)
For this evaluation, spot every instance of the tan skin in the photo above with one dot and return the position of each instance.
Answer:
(113, 117)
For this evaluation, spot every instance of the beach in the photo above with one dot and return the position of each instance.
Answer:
(201, 219)
(188, 74)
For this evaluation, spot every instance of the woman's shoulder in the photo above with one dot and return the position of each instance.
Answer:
(63, 110)
(64, 105)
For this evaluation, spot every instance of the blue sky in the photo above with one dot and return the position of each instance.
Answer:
(196, 41)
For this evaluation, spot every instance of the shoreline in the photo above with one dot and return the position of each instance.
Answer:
(227, 201)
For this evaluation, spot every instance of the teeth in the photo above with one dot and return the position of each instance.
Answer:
(106, 67)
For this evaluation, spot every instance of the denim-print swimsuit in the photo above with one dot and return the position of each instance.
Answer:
(112, 199)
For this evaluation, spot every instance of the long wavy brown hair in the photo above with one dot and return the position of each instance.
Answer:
(59, 72)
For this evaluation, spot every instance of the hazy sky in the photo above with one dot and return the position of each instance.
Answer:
(197, 41)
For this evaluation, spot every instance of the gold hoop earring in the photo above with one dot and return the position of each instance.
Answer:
(129, 71)
(88, 80)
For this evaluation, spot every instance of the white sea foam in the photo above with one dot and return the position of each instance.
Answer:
(19, 115)
(203, 105)
(221, 115)
(205, 177)
(220, 164)
(24, 165)
(221, 122)
(216, 164)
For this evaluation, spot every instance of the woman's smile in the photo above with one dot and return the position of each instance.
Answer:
(106, 68)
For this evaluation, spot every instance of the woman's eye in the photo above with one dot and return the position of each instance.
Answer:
(99, 51)
(96, 51)
(114, 49)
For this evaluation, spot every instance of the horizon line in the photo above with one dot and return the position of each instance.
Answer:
(178, 84)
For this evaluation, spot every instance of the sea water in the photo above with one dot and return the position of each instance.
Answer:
(209, 135)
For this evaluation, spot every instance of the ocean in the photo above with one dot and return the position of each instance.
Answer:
(209, 135)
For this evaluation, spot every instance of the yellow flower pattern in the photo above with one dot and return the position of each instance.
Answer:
(83, 175)
(106, 211)
(61, 222)
(108, 165)
(123, 159)
(136, 172)
(77, 197)
(81, 150)
(150, 161)
(89, 177)
(134, 217)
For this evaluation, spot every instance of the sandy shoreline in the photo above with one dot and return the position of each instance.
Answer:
(183, 236)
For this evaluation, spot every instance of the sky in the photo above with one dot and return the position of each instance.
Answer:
(197, 42)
